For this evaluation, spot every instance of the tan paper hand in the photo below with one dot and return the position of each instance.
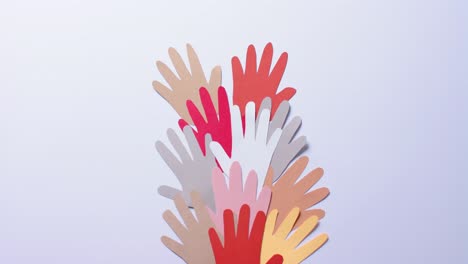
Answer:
(186, 85)
(196, 246)
(287, 194)
(284, 242)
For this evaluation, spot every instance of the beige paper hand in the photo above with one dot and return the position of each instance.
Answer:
(195, 247)
(284, 243)
(186, 85)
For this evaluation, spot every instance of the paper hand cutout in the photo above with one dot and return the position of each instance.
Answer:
(287, 148)
(287, 194)
(195, 247)
(219, 128)
(279, 243)
(253, 151)
(255, 84)
(185, 86)
(241, 247)
(236, 195)
(193, 170)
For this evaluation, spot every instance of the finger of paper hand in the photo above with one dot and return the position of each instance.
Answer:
(285, 94)
(216, 244)
(168, 75)
(208, 106)
(180, 230)
(287, 224)
(291, 128)
(276, 259)
(250, 122)
(221, 156)
(220, 188)
(270, 222)
(243, 223)
(251, 61)
(200, 209)
(178, 146)
(168, 192)
(279, 117)
(195, 65)
(229, 228)
(309, 180)
(311, 212)
(265, 61)
(215, 79)
(250, 188)
(193, 144)
(258, 227)
(302, 232)
(236, 125)
(175, 246)
(170, 159)
(263, 124)
(310, 247)
(314, 197)
(179, 64)
(184, 212)
(235, 182)
(288, 179)
(165, 92)
(278, 71)
(197, 117)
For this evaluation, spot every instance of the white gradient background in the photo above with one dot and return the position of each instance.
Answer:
(382, 89)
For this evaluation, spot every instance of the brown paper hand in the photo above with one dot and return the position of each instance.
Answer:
(287, 194)
(186, 85)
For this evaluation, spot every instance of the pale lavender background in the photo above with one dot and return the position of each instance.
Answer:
(382, 88)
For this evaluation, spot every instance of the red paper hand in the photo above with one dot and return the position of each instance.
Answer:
(241, 248)
(254, 85)
(219, 128)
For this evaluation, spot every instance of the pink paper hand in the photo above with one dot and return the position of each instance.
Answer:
(218, 125)
(237, 195)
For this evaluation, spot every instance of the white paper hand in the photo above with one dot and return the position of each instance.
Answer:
(251, 149)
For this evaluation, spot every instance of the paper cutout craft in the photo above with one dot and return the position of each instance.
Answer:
(219, 128)
(280, 242)
(241, 247)
(287, 148)
(193, 170)
(236, 195)
(255, 84)
(253, 151)
(287, 194)
(185, 86)
(218, 142)
(195, 246)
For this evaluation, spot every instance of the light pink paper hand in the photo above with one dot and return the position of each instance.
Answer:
(237, 195)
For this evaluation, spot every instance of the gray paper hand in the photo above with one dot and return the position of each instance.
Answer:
(287, 148)
(193, 170)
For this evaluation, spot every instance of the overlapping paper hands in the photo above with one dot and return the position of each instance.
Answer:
(224, 139)
(185, 86)
(242, 244)
(251, 148)
(237, 194)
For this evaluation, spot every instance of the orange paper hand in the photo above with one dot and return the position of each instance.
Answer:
(255, 84)
(287, 194)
